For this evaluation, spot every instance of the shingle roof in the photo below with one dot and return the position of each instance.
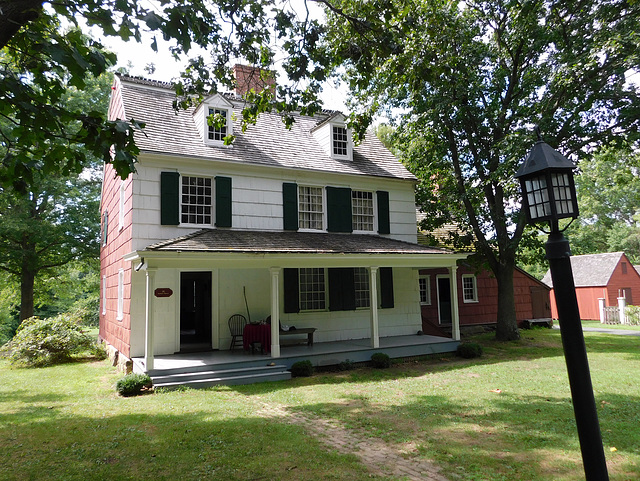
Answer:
(266, 143)
(219, 240)
(591, 270)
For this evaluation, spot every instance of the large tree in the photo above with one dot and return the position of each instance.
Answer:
(469, 80)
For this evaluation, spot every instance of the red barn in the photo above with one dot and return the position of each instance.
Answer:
(608, 276)
(477, 297)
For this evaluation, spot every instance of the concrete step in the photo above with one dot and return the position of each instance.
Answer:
(226, 377)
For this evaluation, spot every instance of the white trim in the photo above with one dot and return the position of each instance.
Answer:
(427, 278)
(122, 192)
(324, 207)
(374, 204)
(474, 289)
(120, 312)
(104, 295)
(349, 134)
(211, 206)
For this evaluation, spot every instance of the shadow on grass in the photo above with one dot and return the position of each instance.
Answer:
(200, 445)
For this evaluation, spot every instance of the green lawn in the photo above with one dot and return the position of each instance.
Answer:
(507, 416)
(597, 324)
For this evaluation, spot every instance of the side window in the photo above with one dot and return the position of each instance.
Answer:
(105, 227)
(120, 314)
(310, 208)
(104, 295)
(362, 211)
(424, 282)
(121, 205)
(469, 288)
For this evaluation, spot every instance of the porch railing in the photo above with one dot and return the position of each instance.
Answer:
(611, 315)
(620, 314)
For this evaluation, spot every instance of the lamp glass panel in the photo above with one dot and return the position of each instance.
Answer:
(538, 197)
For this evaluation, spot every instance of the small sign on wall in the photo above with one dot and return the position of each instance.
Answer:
(163, 292)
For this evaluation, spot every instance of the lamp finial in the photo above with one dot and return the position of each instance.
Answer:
(536, 129)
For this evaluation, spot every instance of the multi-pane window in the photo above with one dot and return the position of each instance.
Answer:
(120, 313)
(361, 280)
(218, 130)
(310, 208)
(340, 141)
(196, 202)
(469, 288)
(313, 295)
(424, 283)
(104, 295)
(362, 210)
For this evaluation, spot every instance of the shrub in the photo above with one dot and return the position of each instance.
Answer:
(346, 365)
(41, 342)
(380, 360)
(469, 350)
(133, 384)
(302, 369)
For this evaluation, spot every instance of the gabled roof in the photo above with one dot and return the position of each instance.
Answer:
(267, 143)
(591, 270)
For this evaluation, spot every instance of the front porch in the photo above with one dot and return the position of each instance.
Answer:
(211, 368)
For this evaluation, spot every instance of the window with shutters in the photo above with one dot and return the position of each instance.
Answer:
(313, 293)
(362, 211)
(361, 280)
(196, 200)
(310, 207)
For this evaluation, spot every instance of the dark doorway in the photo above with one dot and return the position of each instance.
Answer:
(540, 307)
(195, 311)
(444, 300)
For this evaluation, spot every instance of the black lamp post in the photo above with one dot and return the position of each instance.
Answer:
(549, 194)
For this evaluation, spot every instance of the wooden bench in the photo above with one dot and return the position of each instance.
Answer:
(303, 330)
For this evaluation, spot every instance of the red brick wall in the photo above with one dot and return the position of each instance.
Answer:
(119, 242)
(484, 311)
(248, 78)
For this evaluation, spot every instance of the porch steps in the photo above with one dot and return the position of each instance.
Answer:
(169, 379)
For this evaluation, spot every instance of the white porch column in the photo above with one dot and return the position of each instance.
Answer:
(455, 314)
(275, 311)
(148, 321)
(601, 309)
(373, 306)
(622, 304)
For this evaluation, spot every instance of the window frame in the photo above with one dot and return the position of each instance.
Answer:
(211, 205)
(362, 293)
(104, 295)
(303, 304)
(474, 288)
(122, 192)
(323, 212)
(373, 216)
(348, 155)
(427, 282)
(216, 103)
(120, 312)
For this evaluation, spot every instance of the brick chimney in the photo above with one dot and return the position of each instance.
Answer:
(248, 78)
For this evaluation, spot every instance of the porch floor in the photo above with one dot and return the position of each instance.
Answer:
(320, 354)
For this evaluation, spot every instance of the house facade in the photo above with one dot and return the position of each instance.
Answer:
(607, 276)
(299, 225)
(477, 297)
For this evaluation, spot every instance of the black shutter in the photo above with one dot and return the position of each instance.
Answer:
(342, 289)
(291, 291)
(339, 217)
(169, 198)
(290, 205)
(223, 201)
(386, 287)
(383, 212)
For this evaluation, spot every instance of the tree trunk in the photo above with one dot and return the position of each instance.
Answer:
(26, 292)
(507, 326)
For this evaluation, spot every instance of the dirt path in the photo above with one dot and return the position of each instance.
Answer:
(376, 455)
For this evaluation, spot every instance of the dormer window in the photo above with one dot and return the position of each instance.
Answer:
(340, 141)
(217, 122)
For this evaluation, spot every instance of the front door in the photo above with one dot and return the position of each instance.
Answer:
(195, 311)
(444, 300)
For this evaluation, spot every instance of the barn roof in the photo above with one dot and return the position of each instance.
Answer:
(591, 270)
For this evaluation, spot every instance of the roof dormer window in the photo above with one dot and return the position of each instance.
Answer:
(213, 119)
(217, 121)
(340, 141)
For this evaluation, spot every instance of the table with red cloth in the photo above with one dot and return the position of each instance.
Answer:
(257, 333)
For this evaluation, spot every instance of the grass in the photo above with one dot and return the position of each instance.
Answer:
(505, 416)
(597, 324)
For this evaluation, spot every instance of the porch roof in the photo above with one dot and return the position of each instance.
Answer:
(288, 247)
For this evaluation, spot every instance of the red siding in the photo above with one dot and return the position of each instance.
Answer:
(119, 242)
(588, 296)
(485, 311)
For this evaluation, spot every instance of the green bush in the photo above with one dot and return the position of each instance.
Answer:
(380, 360)
(42, 342)
(346, 365)
(469, 350)
(302, 369)
(133, 384)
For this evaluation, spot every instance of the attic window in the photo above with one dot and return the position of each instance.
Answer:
(340, 141)
(218, 131)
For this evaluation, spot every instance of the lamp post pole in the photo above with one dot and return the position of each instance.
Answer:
(575, 353)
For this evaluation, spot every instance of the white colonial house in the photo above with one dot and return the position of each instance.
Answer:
(297, 224)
